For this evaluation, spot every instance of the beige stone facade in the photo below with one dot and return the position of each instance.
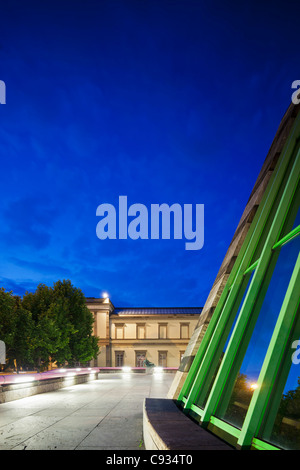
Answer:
(128, 336)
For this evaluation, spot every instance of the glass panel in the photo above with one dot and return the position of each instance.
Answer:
(282, 427)
(271, 216)
(119, 359)
(162, 359)
(247, 281)
(297, 220)
(140, 358)
(293, 220)
(286, 430)
(236, 400)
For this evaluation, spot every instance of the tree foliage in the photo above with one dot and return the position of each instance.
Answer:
(50, 324)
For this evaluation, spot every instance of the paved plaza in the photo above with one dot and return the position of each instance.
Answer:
(105, 414)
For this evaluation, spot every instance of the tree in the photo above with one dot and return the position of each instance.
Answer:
(290, 404)
(7, 323)
(16, 330)
(83, 346)
(46, 337)
(21, 349)
(63, 325)
(51, 324)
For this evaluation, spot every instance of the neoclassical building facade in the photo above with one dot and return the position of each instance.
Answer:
(128, 336)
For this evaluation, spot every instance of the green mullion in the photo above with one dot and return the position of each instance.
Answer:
(266, 427)
(242, 344)
(251, 297)
(225, 426)
(200, 352)
(193, 372)
(243, 259)
(197, 410)
(261, 445)
(272, 360)
(217, 327)
(236, 274)
(253, 266)
(287, 238)
(218, 340)
(279, 241)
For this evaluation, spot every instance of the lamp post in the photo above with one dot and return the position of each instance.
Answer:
(2, 352)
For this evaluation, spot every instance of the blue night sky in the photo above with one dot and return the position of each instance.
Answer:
(161, 101)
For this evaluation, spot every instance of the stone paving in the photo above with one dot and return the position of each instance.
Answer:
(106, 414)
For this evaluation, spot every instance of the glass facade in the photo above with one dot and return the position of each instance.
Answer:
(201, 401)
(244, 383)
(237, 401)
(282, 424)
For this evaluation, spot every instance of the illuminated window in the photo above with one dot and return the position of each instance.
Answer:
(140, 357)
(162, 358)
(119, 358)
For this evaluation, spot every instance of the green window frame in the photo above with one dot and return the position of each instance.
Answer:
(210, 371)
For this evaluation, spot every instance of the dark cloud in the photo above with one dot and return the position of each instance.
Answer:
(18, 287)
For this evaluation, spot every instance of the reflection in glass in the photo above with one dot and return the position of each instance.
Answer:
(286, 430)
(293, 219)
(247, 281)
(236, 401)
(270, 219)
(281, 425)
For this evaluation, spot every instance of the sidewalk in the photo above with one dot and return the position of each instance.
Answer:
(106, 414)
